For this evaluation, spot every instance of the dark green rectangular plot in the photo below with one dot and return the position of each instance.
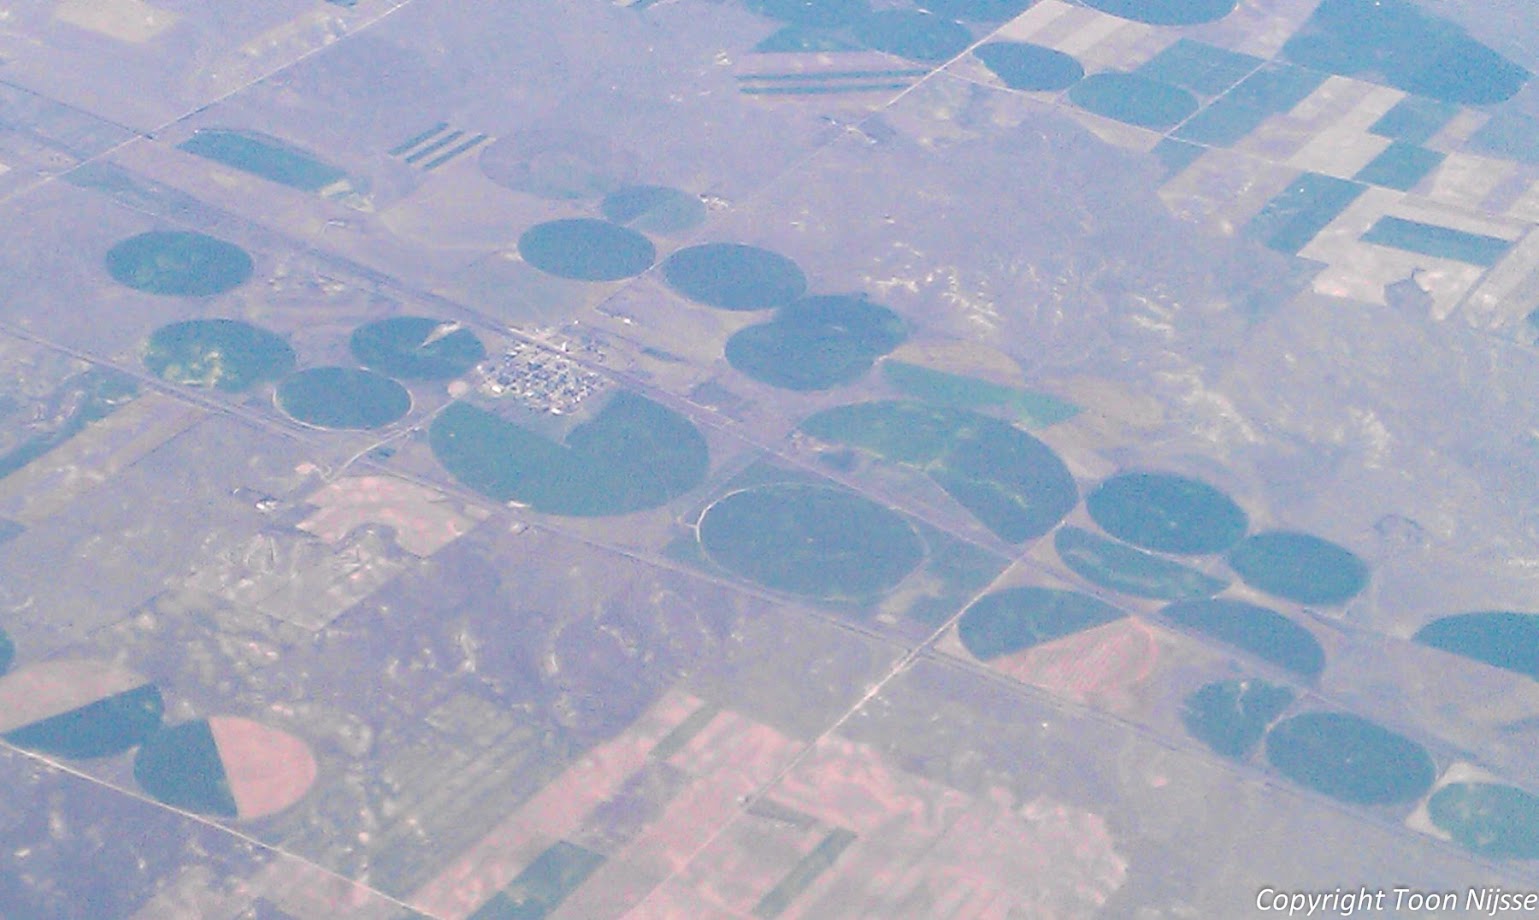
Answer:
(269, 160)
(1202, 68)
(416, 139)
(1293, 217)
(453, 152)
(1414, 119)
(1278, 87)
(684, 732)
(1508, 135)
(1433, 240)
(541, 887)
(1176, 155)
(804, 873)
(1270, 91)
(1400, 166)
(1223, 123)
(436, 146)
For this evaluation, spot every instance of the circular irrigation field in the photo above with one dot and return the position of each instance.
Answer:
(811, 540)
(178, 263)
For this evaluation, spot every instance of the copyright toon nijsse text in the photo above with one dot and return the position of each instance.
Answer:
(1345, 902)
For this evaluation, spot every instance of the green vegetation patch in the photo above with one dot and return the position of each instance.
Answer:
(1176, 155)
(733, 276)
(1021, 65)
(1165, 512)
(806, 871)
(1009, 621)
(1133, 100)
(813, 13)
(1434, 240)
(1299, 567)
(632, 455)
(1396, 42)
(417, 347)
(1131, 571)
(178, 263)
(1199, 67)
(181, 767)
(1350, 758)
(816, 343)
(811, 540)
(1273, 89)
(913, 34)
(1012, 482)
(795, 39)
(262, 156)
(548, 880)
(1507, 135)
(1489, 818)
(654, 209)
(342, 397)
(1496, 637)
(1414, 119)
(110, 725)
(1292, 218)
(1261, 631)
(224, 354)
(1400, 166)
(977, 10)
(1032, 409)
(82, 399)
(1231, 716)
(1166, 12)
(585, 249)
(7, 652)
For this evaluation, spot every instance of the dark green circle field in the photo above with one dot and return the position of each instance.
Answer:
(77, 708)
(416, 348)
(1299, 567)
(1024, 66)
(1015, 619)
(1133, 100)
(732, 276)
(1261, 631)
(225, 354)
(1501, 638)
(1231, 716)
(819, 14)
(913, 34)
(178, 263)
(1350, 758)
(225, 766)
(632, 455)
(343, 398)
(1166, 12)
(1489, 818)
(1167, 513)
(584, 249)
(1404, 45)
(976, 10)
(1130, 571)
(180, 766)
(654, 209)
(816, 343)
(1014, 484)
(810, 540)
